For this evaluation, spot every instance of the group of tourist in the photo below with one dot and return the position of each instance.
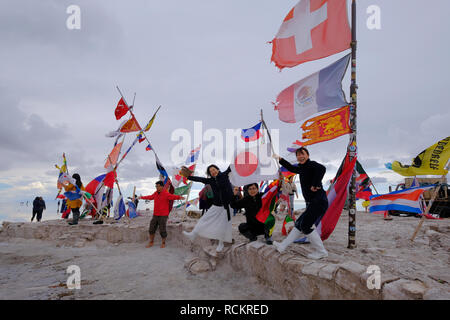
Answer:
(215, 223)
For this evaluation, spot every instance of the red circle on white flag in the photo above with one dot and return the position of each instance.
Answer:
(246, 163)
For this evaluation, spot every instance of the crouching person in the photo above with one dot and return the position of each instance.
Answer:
(160, 212)
(252, 203)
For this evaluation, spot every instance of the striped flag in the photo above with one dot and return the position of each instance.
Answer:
(404, 200)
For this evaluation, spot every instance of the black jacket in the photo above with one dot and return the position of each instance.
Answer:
(221, 187)
(251, 205)
(311, 174)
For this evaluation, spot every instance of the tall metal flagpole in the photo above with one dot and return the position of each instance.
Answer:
(352, 146)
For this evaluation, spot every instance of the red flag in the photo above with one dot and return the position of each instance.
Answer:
(131, 126)
(337, 195)
(109, 179)
(113, 156)
(121, 109)
(312, 30)
(266, 200)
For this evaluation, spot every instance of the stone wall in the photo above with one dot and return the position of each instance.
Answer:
(294, 276)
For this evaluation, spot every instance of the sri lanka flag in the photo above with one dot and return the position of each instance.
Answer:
(252, 133)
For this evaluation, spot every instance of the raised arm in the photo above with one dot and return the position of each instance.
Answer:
(199, 179)
(289, 166)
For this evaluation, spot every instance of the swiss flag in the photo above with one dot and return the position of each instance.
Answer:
(121, 109)
(312, 30)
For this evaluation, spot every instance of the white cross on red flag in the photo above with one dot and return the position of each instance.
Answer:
(312, 30)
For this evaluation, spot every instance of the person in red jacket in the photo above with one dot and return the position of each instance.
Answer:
(160, 212)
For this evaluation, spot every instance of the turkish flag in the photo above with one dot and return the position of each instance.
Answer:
(121, 109)
(312, 30)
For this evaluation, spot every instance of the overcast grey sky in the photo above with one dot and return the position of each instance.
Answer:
(202, 60)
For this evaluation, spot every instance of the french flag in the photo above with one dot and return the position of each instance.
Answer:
(252, 133)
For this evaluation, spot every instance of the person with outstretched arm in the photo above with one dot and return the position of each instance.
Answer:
(216, 222)
(311, 174)
(161, 212)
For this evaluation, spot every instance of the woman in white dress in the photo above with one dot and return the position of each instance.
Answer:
(216, 222)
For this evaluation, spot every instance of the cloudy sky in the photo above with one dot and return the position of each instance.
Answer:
(202, 60)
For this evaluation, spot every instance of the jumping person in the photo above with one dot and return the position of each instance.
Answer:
(76, 203)
(252, 203)
(311, 174)
(216, 222)
(161, 212)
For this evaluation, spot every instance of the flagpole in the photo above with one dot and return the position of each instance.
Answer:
(131, 112)
(352, 146)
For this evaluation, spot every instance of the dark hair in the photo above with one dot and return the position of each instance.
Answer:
(251, 184)
(160, 183)
(301, 149)
(209, 167)
(77, 178)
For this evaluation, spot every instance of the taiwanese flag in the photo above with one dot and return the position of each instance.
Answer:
(121, 109)
(252, 133)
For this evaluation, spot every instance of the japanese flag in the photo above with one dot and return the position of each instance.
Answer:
(253, 165)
